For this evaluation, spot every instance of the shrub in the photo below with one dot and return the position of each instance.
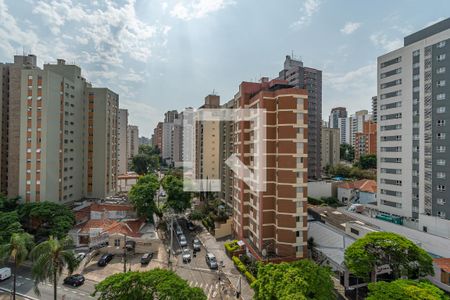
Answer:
(249, 277)
(231, 246)
(243, 269)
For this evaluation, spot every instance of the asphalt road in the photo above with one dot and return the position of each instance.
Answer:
(197, 272)
(25, 286)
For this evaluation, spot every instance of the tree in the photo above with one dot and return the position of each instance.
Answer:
(402, 289)
(17, 250)
(9, 224)
(368, 162)
(44, 219)
(177, 198)
(49, 259)
(147, 160)
(142, 195)
(139, 164)
(8, 204)
(301, 279)
(153, 284)
(386, 248)
(347, 152)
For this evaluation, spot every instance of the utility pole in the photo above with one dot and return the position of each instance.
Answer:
(171, 241)
(125, 254)
(238, 293)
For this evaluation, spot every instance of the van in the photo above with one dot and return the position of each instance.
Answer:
(5, 273)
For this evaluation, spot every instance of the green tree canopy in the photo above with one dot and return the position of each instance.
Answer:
(368, 162)
(44, 219)
(177, 198)
(142, 195)
(8, 204)
(154, 284)
(301, 279)
(386, 248)
(402, 289)
(9, 224)
(347, 152)
(147, 160)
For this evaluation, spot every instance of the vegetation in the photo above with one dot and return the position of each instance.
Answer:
(142, 195)
(147, 160)
(17, 250)
(8, 204)
(177, 198)
(385, 248)
(351, 172)
(367, 162)
(231, 246)
(347, 152)
(301, 279)
(9, 224)
(153, 284)
(49, 259)
(45, 219)
(329, 201)
(243, 269)
(402, 289)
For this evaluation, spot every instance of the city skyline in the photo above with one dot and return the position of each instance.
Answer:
(156, 54)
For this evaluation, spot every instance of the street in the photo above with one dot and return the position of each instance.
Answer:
(25, 287)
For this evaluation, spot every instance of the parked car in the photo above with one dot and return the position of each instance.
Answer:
(80, 256)
(186, 255)
(196, 245)
(74, 280)
(178, 230)
(146, 258)
(211, 261)
(191, 226)
(5, 273)
(183, 241)
(104, 259)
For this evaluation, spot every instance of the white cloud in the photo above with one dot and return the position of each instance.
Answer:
(387, 44)
(350, 27)
(196, 9)
(143, 115)
(308, 9)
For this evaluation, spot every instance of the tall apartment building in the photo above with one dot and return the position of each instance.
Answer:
(166, 150)
(10, 101)
(225, 151)
(374, 109)
(273, 222)
(356, 124)
(157, 136)
(102, 150)
(207, 144)
(133, 140)
(177, 141)
(311, 80)
(344, 130)
(331, 145)
(413, 126)
(145, 141)
(366, 141)
(170, 116)
(336, 113)
(122, 142)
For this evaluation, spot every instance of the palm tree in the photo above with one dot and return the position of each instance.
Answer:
(49, 260)
(17, 251)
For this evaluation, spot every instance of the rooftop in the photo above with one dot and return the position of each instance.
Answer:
(427, 32)
(364, 185)
(443, 263)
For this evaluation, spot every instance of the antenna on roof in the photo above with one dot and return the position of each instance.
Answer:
(292, 54)
(213, 91)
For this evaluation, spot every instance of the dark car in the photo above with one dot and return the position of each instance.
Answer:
(190, 226)
(104, 260)
(146, 258)
(74, 280)
(196, 245)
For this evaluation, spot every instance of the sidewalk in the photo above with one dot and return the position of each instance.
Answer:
(218, 249)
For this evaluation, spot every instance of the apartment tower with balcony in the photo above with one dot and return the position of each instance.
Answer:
(122, 142)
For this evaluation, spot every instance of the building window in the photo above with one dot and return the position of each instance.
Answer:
(440, 201)
(441, 214)
(440, 149)
(440, 136)
(117, 242)
(440, 96)
(440, 83)
(441, 57)
(440, 162)
(440, 110)
(440, 70)
(441, 175)
(441, 44)
(440, 188)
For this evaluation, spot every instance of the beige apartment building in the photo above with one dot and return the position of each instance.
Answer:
(207, 144)
(102, 154)
(133, 140)
(330, 145)
(122, 142)
(225, 151)
(272, 223)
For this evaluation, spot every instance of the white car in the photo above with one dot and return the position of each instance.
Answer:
(5, 273)
(183, 241)
(186, 255)
(80, 256)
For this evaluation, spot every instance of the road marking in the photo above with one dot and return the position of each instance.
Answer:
(217, 285)
(214, 294)
(27, 278)
(66, 289)
(200, 285)
(19, 276)
(196, 284)
(191, 283)
(82, 294)
(75, 292)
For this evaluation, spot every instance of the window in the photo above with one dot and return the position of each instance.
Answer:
(440, 70)
(391, 62)
(440, 188)
(440, 201)
(440, 149)
(440, 57)
(416, 89)
(441, 214)
(441, 44)
(416, 65)
(440, 96)
(440, 83)
(117, 242)
(440, 162)
(416, 77)
(440, 110)
(354, 231)
(440, 136)
(441, 175)
(416, 53)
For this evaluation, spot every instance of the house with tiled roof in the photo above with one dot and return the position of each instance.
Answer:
(442, 272)
(362, 191)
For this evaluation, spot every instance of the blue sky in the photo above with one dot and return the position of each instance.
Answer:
(161, 55)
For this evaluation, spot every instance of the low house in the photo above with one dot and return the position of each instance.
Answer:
(126, 181)
(441, 273)
(362, 191)
(322, 188)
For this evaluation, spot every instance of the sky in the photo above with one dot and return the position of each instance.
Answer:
(164, 55)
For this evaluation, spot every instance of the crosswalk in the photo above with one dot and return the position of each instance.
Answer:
(212, 291)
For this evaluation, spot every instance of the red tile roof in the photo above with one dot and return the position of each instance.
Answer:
(443, 263)
(111, 207)
(130, 228)
(364, 185)
(91, 224)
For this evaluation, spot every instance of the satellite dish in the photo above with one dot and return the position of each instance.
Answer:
(264, 252)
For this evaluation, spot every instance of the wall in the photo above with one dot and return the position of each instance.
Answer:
(319, 189)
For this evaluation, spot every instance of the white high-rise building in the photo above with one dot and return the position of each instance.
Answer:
(356, 124)
(345, 130)
(414, 130)
(122, 142)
